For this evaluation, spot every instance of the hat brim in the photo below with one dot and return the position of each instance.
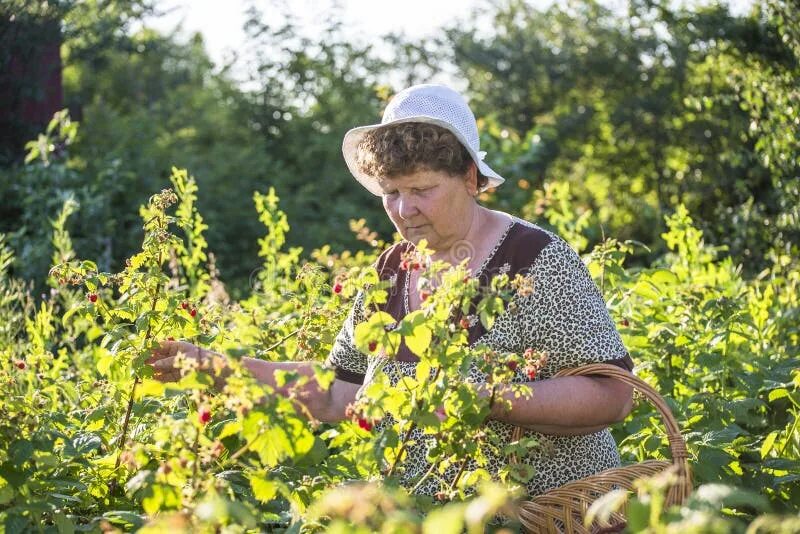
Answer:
(354, 136)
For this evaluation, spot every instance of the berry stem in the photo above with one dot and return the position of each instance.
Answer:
(132, 397)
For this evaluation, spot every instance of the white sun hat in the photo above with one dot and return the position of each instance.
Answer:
(431, 104)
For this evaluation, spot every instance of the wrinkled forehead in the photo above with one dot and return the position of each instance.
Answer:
(417, 179)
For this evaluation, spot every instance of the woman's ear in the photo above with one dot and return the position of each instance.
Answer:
(471, 179)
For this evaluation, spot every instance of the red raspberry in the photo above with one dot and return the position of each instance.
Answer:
(193, 312)
(204, 415)
(415, 266)
(512, 365)
(364, 424)
(532, 373)
(404, 265)
(373, 345)
(464, 323)
(184, 305)
(423, 295)
(337, 288)
(92, 297)
(20, 364)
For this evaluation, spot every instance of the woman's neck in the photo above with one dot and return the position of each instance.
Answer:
(474, 243)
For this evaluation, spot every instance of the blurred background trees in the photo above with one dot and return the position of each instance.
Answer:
(632, 113)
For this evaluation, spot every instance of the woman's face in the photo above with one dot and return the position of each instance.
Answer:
(430, 205)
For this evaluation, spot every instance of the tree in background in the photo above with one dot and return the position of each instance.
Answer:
(635, 112)
(639, 113)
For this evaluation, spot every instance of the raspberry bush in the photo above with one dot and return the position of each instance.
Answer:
(89, 441)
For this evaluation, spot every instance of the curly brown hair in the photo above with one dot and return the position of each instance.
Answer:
(405, 148)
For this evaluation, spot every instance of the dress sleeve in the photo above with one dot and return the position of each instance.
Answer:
(566, 316)
(348, 362)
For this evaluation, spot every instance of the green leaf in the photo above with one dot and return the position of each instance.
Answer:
(104, 361)
(86, 443)
(94, 332)
(231, 428)
(776, 394)
(63, 523)
(193, 381)
(719, 495)
(419, 341)
(263, 489)
(129, 521)
(161, 497)
(70, 312)
(638, 515)
(768, 443)
(447, 520)
(150, 388)
(6, 491)
(646, 290)
(20, 451)
(663, 276)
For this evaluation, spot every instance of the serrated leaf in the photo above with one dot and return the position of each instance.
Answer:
(86, 443)
(263, 489)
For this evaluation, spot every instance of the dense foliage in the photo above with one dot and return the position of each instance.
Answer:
(660, 144)
(90, 441)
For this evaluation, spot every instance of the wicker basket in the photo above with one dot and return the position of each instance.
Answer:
(562, 509)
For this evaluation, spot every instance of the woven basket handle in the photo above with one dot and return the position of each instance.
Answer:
(677, 444)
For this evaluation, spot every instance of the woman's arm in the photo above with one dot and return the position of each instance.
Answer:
(565, 406)
(565, 318)
(324, 404)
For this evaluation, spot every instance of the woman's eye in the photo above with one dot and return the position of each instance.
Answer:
(417, 190)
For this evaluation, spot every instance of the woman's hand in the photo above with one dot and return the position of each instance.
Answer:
(164, 358)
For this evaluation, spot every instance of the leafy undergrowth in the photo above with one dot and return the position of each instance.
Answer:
(89, 441)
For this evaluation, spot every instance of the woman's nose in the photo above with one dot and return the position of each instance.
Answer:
(406, 207)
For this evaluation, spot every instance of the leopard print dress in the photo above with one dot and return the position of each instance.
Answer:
(565, 316)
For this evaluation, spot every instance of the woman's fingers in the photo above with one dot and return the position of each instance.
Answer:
(164, 364)
(169, 348)
(163, 357)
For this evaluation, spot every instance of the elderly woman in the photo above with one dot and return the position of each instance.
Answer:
(423, 160)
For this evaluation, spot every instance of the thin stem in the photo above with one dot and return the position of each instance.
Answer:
(790, 434)
(241, 451)
(281, 340)
(402, 449)
(424, 478)
(195, 467)
(129, 410)
(460, 472)
(411, 428)
(603, 263)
